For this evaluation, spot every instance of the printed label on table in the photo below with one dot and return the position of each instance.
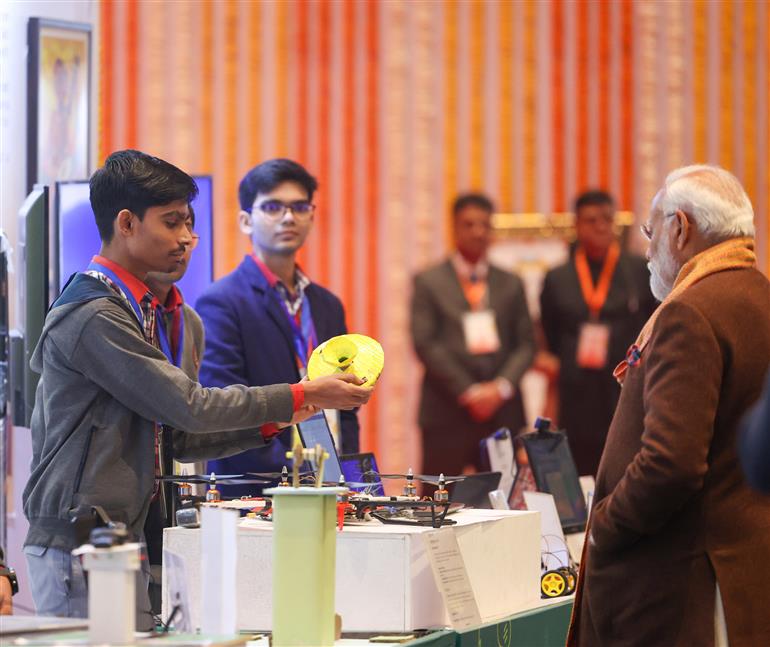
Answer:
(452, 578)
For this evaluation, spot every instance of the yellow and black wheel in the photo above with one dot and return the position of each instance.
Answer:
(571, 576)
(553, 584)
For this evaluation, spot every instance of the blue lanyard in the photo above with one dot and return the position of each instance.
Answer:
(164, 339)
(124, 288)
(305, 339)
(160, 320)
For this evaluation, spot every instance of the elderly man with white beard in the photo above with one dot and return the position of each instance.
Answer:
(678, 550)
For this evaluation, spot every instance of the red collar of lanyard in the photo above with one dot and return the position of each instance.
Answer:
(303, 330)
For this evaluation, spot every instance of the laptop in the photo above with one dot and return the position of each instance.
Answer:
(352, 467)
(362, 468)
(315, 431)
(555, 473)
(473, 491)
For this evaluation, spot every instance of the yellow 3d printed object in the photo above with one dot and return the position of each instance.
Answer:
(357, 354)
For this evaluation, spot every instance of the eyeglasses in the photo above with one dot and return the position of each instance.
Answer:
(647, 230)
(275, 209)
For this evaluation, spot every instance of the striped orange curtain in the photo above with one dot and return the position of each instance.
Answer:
(396, 106)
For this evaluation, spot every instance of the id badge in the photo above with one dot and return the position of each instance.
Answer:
(480, 329)
(593, 344)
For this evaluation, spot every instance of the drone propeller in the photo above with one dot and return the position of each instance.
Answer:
(425, 478)
(255, 478)
(224, 479)
(349, 484)
(342, 483)
(272, 476)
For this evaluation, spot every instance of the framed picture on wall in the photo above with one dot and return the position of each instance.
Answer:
(58, 100)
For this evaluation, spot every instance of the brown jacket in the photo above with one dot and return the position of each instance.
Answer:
(672, 513)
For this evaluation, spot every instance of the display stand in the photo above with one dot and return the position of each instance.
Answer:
(384, 580)
(304, 559)
(545, 625)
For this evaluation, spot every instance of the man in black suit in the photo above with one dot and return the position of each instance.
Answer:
(471, 329)
(592, 308)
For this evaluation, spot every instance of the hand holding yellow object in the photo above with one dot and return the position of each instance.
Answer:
(357, 354)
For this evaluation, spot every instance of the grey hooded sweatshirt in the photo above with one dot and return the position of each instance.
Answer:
(102, 389)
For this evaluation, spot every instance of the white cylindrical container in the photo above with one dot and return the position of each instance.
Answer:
(111, 592)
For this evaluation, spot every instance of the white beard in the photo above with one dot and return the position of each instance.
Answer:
(663, 266)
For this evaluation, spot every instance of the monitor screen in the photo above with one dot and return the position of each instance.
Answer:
(4, 338)
(78, 237)
(315, 431)
(474, 489)
(357, 469)
(555, 473)
(32, 292)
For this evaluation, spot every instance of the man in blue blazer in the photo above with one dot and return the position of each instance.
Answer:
(263, 319)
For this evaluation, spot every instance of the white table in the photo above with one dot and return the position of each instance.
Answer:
(384, 580)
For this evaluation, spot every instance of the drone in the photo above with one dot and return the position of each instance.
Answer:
(356, 504)
(187, 503)
(404, 509)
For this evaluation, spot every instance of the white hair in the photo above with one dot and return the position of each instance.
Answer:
(713, 197)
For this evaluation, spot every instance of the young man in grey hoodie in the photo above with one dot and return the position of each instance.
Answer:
(107, 386)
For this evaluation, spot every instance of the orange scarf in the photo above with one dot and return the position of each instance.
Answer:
(736, 253)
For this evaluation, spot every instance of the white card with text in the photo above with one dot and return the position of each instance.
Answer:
(452, 578)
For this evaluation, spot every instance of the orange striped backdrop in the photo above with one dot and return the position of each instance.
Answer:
(397, 105)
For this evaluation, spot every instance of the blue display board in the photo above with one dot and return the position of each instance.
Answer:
(78, 237)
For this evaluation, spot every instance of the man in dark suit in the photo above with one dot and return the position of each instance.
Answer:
(677, 542)
(264, 319)
(471, 329)
(592, 307)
